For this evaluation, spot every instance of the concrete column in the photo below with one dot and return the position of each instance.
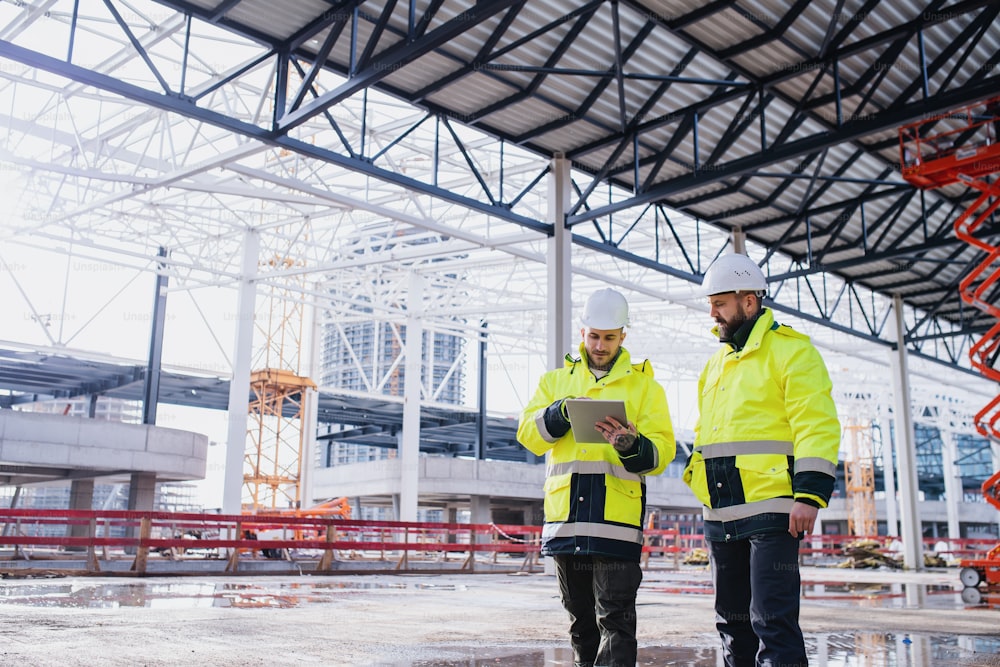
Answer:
(142, 491)
(479, 509)
(560, 320)
(239, 385)
(409, 442)
(81, 494)
(81, 497)
(451, 516)
(141, 497)
(913, 558)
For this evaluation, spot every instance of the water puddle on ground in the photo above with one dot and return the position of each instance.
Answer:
(890, 596)
(188, 593)
(830, 650)
(182, 595)
(865, 594)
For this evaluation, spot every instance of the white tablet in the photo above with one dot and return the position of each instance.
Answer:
(585, 412)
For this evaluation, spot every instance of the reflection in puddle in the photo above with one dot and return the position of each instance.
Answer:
(181, 595)
(863, 594)
(189, 593)
(847, 649)
(897, 595)
(827, 650)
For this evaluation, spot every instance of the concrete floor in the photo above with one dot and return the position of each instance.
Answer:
(851, 617)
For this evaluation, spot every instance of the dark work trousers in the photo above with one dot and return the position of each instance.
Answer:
(599, 594)
(757, 592)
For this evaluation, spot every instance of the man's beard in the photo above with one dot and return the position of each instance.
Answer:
(728, 329)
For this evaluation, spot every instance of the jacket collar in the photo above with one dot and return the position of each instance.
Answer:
(764, 323)
(622, 365)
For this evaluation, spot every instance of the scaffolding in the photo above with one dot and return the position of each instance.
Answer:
(273, 468)
(859, 480)
(276, 439)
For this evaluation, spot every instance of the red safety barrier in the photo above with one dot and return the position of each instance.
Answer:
(323, 544)
(821, 548)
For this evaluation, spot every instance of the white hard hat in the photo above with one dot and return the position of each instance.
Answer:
(734, 272)
(605, 309)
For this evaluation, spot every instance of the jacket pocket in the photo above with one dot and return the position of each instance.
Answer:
(764, 476)
(694, 476)
(622, 501)
(557, 497)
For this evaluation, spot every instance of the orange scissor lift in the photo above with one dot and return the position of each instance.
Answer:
(968, 152)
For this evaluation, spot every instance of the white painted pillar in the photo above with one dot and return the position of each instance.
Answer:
(889, 480)
(409, 442)
(310, 407)
(913, 558)
(560, 275)
(239, 384)
(952, 482)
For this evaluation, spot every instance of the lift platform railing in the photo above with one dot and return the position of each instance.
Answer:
(966, 152)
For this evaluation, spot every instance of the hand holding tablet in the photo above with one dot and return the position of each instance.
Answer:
(584, 413)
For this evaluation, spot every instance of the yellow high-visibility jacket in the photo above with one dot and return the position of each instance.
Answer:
(595, 498)
(767, 433)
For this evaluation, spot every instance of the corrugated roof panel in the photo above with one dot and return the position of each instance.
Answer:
(770, 58)
(470, 93)
(204, 4)
(719, 206)
(531, 113)
(725, 28)
(279, 19)
(880, 18)
(671, 10)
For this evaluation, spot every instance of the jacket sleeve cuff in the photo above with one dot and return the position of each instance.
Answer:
(555, 423)
(813, 485)
(642, 456)
(808, 500)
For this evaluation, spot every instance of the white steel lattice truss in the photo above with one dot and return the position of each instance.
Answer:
(105, 182)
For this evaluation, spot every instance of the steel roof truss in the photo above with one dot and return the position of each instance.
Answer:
(389, 60)
(306, 85)
(659, 212)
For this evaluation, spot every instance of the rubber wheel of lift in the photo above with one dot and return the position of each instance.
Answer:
(970, 577)
(972, 595)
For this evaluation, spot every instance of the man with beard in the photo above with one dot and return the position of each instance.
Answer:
(763, 464)
(595, 493)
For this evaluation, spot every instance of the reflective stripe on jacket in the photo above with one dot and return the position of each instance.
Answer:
(594, 499)
(767, 433)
